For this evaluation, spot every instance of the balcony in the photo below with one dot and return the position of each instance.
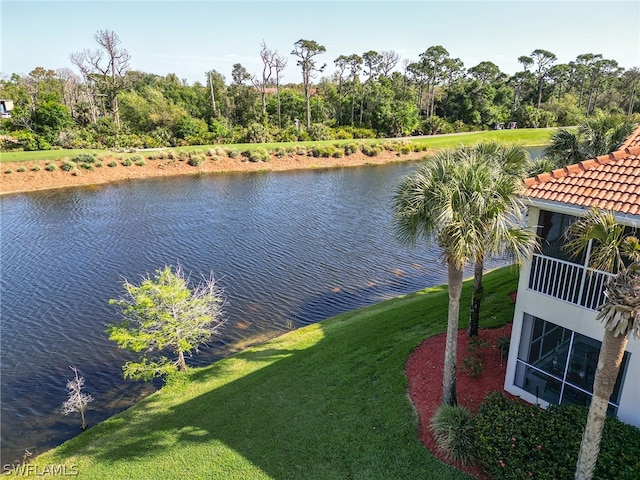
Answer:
(570, 282)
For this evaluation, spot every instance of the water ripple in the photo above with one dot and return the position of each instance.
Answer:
(288, 249)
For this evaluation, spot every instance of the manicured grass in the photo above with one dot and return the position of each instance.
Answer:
(328, 401)
(528, 137)
(47, 155)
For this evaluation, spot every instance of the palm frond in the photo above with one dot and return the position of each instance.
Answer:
(465, 202)
(606, 235)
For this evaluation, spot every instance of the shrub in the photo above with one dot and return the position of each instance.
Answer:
(257, 155)
(351, 148)
(98, 164)
(320, 131)
(112, 164)
(279, 152)
(476, 343)
(8, 171)
(36, 168)
(337, 152)
(87, 166)
(233, 153)
(503, 344)
(258, 133)
(84, 158)
(435, 125)
(127, 162)
(405, 149)
(67, 166)
(459, 126)
(372, 150)
(453, 429)
(473, 365)
(343, 134)
(288, 134)
(320, 151)
(389, 145)
(355, 132)
(50, 168)
(21, 170)
(516, 440)
(196, 160)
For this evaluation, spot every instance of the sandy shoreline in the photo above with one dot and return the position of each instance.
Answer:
(33, 180)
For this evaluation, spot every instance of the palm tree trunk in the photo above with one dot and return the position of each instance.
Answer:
(478, 293)
(182, 365)
(449, 374)
(609, 362)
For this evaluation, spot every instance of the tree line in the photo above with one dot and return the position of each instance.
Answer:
(105, 104)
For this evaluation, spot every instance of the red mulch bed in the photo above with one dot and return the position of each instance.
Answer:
(424, 373)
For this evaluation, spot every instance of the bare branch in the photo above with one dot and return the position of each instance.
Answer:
(78, 400)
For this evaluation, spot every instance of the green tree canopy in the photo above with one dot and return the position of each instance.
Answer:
(162, 314)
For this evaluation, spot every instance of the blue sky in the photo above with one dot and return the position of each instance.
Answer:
(190, 37)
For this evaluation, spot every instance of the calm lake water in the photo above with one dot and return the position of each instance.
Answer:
(288, 248)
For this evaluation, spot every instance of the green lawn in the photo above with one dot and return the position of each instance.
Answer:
(528, 137)
(328, 401)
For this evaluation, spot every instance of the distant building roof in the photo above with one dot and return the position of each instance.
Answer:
(609, 182)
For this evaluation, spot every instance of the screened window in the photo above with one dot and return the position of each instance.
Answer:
(558, 365)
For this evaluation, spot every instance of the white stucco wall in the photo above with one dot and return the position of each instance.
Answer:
(578, 319)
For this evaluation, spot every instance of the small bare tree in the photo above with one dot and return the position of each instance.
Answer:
(388, 61)
(279, 64)
(78, 400)
(267, 56)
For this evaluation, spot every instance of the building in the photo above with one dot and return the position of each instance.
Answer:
(5, 108)
(555, 340)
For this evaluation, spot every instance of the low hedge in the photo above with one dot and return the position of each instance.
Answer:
(517, 440)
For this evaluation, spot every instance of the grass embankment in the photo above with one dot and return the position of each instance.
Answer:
(328, 401)
(525, 136)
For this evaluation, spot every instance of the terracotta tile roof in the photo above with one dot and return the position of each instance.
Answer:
(610, 182)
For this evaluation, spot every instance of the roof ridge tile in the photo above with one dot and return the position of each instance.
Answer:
(607, 181)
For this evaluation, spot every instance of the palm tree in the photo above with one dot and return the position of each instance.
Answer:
(610, 244)
(446, 201)
(597, 136)
(604, 134)
(502, 229)
(566, 147)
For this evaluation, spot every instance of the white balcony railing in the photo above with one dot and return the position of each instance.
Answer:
(569, 282)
